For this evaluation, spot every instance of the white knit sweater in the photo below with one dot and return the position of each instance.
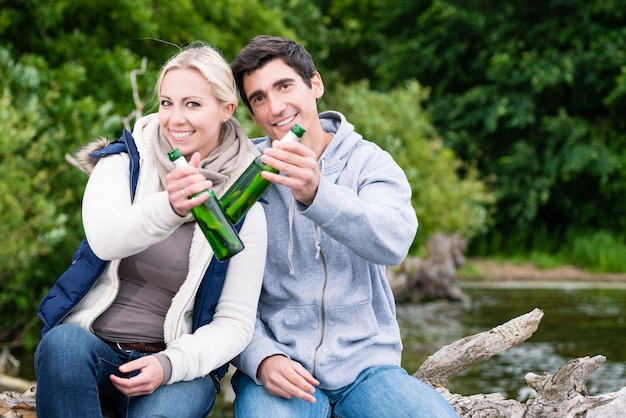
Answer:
(115, 229)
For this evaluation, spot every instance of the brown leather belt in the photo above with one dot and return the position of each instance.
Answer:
(142, 347)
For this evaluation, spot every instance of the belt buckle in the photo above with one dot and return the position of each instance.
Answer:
(118, 345)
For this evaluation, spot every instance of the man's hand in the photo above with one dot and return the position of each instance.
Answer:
(299, 163)
(150, 376)
(286, 378)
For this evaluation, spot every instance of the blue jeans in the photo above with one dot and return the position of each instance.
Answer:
(378, 392)
(73, 366)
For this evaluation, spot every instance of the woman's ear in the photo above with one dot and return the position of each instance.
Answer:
(227, 111)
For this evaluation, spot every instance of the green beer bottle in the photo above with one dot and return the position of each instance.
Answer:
(219, 232)
(251, 185)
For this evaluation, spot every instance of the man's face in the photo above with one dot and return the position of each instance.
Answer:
(279, 98)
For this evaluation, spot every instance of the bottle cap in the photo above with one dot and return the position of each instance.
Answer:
(174, 154)
(298, 130)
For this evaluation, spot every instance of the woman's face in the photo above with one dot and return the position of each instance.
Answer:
(189, 114)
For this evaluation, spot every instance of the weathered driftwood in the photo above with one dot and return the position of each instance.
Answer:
(615, 408)
(417, 280)
(16, 405)
(15, 383)
(565, 391)
(452, 359)
(562, 395)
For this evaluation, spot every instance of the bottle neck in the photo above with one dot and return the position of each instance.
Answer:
(180, 162)
(290, 137)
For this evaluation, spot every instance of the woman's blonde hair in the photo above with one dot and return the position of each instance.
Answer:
(209, 62)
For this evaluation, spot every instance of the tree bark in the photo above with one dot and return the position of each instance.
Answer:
(452, 359)
(416, 280)
(562, 395)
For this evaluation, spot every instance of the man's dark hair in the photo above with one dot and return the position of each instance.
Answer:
(263, 49)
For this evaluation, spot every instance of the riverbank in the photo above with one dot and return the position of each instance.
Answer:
(480, 269)
(488, 272)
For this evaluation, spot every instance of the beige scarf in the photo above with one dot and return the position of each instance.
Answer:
(222, 166)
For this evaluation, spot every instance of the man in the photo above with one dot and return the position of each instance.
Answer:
(327, 341)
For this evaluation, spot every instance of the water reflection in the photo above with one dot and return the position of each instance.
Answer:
(578, 321)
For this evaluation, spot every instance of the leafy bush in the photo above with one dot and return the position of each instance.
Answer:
(40, 192)
(64, 71)
(532, 96)
(447, 194)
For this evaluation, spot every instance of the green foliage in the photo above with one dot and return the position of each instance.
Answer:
(443, 200)
(105, 41)
(532, 96)
(524, 106)
(64, 74)
(39, 194)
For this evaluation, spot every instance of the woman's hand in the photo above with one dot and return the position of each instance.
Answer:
(149, 378)
(183, 183)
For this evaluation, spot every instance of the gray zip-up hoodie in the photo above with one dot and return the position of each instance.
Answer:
(326, 301)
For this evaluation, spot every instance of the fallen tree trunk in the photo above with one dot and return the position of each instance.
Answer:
(562, 395)
(417, 280)
(16, 405)
(15, 383)
(452, 359)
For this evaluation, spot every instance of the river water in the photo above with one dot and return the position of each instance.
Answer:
(579, 320)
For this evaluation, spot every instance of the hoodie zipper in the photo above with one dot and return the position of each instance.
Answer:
(323, 316)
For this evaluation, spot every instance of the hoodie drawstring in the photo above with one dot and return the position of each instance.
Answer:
(318, 234)
(290, 244)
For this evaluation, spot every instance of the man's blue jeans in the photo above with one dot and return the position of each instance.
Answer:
(378, 392)
(73, 366)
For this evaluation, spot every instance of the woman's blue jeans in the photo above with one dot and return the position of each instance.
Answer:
(73, 366)
(378, 392)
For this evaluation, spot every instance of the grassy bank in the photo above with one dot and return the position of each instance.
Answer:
(595, 252)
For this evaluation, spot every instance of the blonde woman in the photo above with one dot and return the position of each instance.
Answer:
(134, 344)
